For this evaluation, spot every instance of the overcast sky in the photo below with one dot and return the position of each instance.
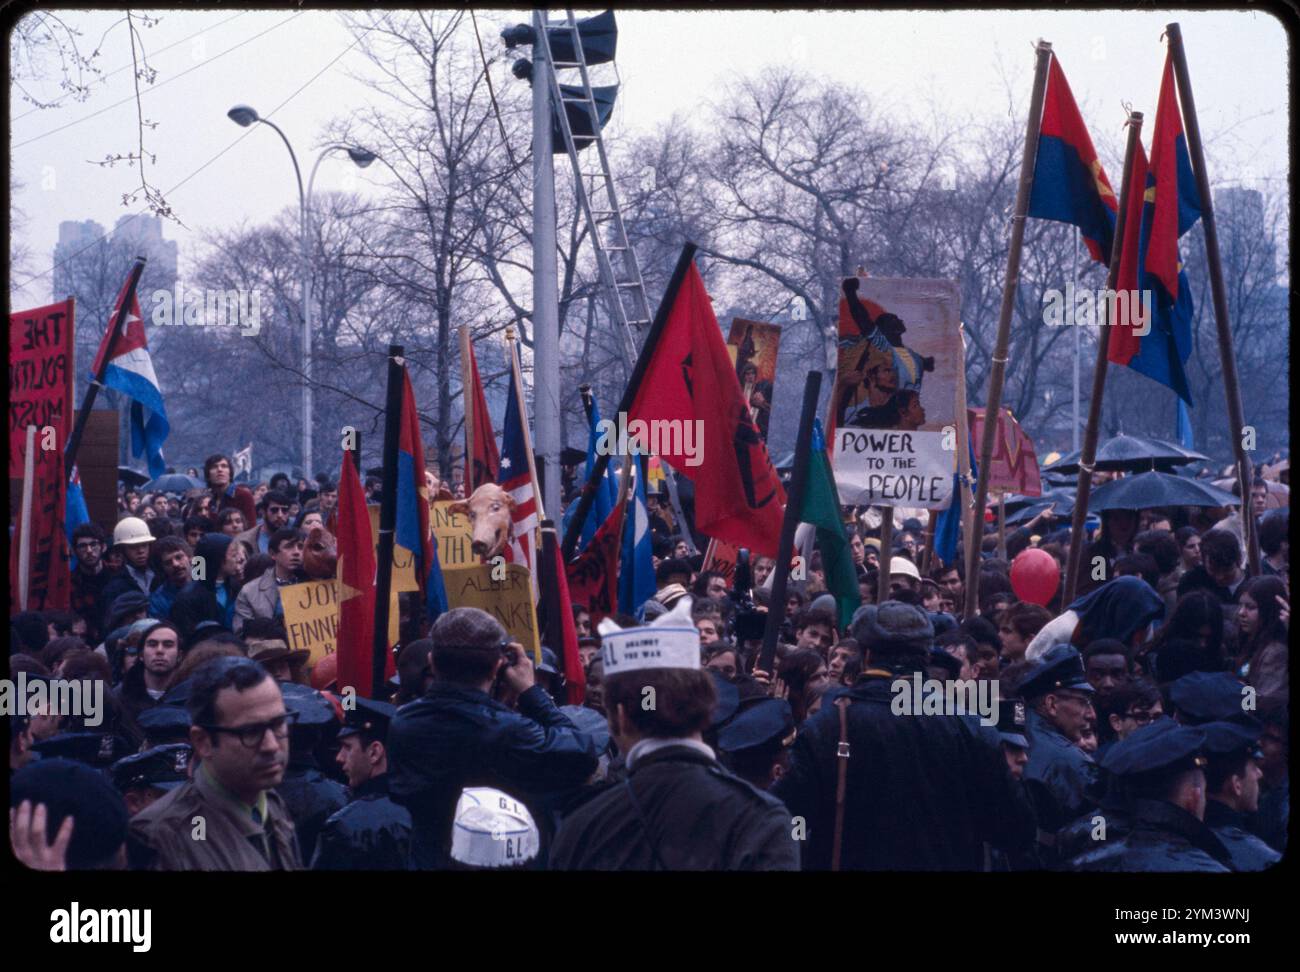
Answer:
(670, 63)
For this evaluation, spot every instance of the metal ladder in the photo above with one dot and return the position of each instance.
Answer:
(625, 296)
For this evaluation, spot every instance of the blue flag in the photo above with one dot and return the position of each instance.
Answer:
(636, 569)
(606, 490)
(75, 513)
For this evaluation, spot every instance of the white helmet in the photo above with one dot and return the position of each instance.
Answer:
(131, 530)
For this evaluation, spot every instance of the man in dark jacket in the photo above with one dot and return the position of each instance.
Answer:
(924, 792)
(218, 472)
(1160, 765)
(678, 809)
(459, 735)
(217, 570)
(145, 683)
(372, 833)
(1059, 776)
(1232, 782)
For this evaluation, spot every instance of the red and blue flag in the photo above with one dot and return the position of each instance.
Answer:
(1157, 218)
(515, 477)
(413, 530)
(1070, 186)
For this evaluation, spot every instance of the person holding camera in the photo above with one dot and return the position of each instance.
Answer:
(483, 722)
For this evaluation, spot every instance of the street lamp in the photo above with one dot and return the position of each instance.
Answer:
(245, 116)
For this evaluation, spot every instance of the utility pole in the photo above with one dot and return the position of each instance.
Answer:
(546, 299)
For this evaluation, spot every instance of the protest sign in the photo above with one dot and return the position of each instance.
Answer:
(894, 400)
(754, 346)
(509, 600)
(40, 379)
(311, 616)
(403, 560)
(1014, 468)
(721, 556)
(454, 536)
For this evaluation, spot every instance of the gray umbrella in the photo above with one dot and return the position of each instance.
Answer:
(1129, 453)
(1157, 489)
(172, 483)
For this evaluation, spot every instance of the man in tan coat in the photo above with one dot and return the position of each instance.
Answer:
(228, 817)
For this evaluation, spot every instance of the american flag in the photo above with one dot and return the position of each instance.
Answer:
(516, 479)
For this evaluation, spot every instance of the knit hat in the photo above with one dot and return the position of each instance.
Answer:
(891, 623)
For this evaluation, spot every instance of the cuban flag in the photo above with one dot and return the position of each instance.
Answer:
(636, 569)
(516, 479)
(413, 530)
(130, 371)
(606, 489)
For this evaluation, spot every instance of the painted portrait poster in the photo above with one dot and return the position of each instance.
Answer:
(754, 346)
(893, 409)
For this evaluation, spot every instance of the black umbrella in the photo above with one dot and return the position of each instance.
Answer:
(1060, 495)
(1064, 508)
(1154, 489)
(132, 477)
(1129, 453)
(173, 483)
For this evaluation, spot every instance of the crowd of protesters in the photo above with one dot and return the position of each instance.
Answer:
(1157, 698)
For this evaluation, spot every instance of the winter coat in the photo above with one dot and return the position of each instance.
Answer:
(372, 833)
(1164, 838)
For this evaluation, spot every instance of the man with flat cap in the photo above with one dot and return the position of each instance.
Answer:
(1161, 768)
(917, 792)
(677, 809)
(1059, 775)
(1232, 777)
(372, 833)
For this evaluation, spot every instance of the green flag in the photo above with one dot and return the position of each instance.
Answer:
(821, 508)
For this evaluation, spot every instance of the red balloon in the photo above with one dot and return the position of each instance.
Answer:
(1035, 576)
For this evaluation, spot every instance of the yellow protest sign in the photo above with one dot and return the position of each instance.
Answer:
(403, 560)
(311, 616)
(509, 600)
(454, 537)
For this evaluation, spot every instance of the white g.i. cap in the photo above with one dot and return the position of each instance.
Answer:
(669, 641)
(492, 829)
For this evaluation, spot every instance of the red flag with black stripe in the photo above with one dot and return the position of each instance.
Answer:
(356, 632)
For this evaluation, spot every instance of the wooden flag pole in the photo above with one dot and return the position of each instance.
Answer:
(25, 520)
(793, 507)
(997, 373)
(963, 457)
(886, 553)
(1002, 520)
(1227, 356)
(518, 379)
(1090, 433)
(387, 516)
(588, 495)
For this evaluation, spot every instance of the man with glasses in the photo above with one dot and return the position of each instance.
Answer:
(91, 576)
(228, 817)
(275, 516)
(1059, 773)
(1131, 704)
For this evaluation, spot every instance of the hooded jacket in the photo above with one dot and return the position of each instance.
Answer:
(197, 602)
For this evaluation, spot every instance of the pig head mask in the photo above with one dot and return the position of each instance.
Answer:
(492, 527)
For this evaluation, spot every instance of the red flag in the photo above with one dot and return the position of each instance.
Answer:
(592, 579)
(356, 633)
(1124, 343)
(1166, 219)
(484, 464)
(575, 678)
(690, 382)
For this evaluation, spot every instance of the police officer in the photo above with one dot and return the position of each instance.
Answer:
(678, 808)
(372, 833)
(164, 725)
(922, 792)
(143, 777)
(755, 745)
(1059, 775)
(310, 796)
(1201, 697)
(1161, 767)
(1232, 781)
